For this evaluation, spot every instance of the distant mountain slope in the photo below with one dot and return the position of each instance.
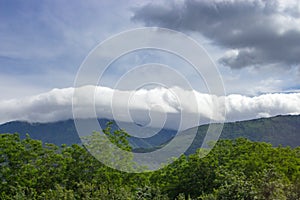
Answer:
(64, 132)
(279, 130)
(284, 130)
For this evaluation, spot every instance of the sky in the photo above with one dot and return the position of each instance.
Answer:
(255, 45)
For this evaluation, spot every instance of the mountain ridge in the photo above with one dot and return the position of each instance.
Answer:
(278, 130)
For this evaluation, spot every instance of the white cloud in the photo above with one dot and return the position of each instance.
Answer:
(242, 107)
(57, 105)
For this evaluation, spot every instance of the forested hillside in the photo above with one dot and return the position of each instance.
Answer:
(64, 132)
(279, 130)
(234, 169)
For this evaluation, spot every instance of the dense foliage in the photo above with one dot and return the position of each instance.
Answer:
(234, 169)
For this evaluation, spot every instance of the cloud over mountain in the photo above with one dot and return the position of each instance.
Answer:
(157, 102)
(258, 32)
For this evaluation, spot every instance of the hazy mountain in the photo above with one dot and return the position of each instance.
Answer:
(279, 130)
(64, 132)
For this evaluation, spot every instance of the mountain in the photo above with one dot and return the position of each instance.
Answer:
(64, 132)
(279, 130)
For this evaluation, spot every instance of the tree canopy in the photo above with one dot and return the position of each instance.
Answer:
(234, 169)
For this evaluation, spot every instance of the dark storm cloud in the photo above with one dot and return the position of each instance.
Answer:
(261, 32)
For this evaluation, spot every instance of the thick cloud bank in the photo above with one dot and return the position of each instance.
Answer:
(259, 32)
(57, 105)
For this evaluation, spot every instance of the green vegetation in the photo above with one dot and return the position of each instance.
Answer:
(279, 130)
(234, 169)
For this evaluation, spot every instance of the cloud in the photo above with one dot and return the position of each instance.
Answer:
(141, 105)
(258, 32)
(241, 107)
